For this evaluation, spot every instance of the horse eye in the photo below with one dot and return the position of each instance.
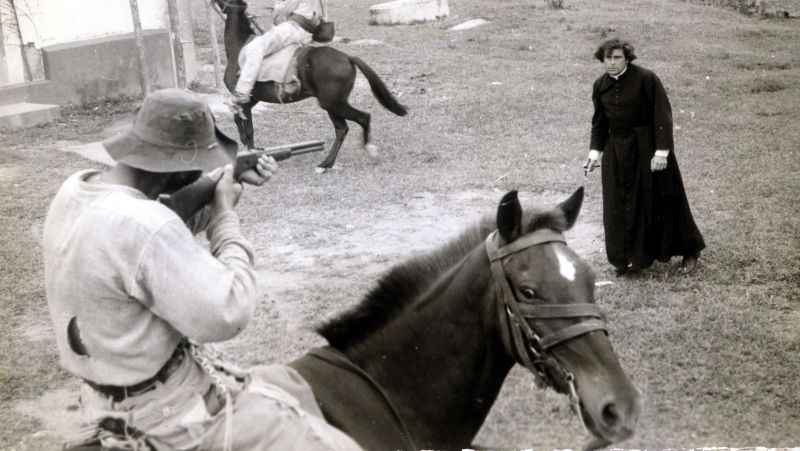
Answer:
(528, 293)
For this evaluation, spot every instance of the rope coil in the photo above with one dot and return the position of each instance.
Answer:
(203, 356)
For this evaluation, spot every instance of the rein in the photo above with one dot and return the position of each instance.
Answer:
(519, 338)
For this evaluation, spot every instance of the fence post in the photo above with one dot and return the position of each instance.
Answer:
(178, 59)
(137, 31)
(212, 29)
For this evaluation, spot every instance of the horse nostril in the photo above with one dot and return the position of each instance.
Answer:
(610, 415)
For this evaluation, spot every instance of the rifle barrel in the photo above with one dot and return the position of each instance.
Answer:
(296, 146)
(308, 150)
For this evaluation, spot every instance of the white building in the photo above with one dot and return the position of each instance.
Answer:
(58, 51)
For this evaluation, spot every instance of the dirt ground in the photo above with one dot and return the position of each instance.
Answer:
(298, 250)
(366, 243)
(503, 106)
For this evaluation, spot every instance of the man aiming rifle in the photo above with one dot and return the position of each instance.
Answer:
(133, 298)
(187, 201)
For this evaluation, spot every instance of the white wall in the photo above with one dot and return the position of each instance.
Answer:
(48, 22)
(12, 64)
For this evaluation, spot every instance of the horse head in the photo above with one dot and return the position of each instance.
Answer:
(227, 6)
(238, 31)
(549, 321)
(449, 325)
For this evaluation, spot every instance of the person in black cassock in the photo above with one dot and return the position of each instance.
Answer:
(646, 214)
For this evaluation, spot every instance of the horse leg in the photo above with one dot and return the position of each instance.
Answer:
(341, 128)
(363, 119)
(245, 125)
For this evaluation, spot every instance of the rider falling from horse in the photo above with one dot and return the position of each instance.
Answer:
(295, 22)
(133, 297)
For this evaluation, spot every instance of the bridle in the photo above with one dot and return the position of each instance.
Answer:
(226, 6)
(520, 339)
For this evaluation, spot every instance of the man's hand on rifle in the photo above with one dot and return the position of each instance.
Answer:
(226, 192)
(221, 187)
(261, 173)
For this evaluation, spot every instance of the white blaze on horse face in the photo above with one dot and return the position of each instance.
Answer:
(565, 266)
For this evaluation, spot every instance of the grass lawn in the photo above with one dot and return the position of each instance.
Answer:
(504, 106)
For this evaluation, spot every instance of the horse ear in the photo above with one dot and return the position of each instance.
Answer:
(509, 217)
(571, 207)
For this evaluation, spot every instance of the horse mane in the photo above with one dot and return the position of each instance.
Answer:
(240, 9)
(247, 26)
(403, 283)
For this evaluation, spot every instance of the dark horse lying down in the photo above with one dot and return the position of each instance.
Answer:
(419, 363)
(324, 72)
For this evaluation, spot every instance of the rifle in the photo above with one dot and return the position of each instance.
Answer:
(188, 200)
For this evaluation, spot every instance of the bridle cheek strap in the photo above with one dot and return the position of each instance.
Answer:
(518, 337)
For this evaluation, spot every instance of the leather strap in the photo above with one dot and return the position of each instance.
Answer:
(335, 357)
(518, 336)
(497, 252)
(547, 311)
(570, 332)
(118, 392)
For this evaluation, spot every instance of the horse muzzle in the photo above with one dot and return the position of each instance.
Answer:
(613, 417)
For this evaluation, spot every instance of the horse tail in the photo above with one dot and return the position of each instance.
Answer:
(379, 89)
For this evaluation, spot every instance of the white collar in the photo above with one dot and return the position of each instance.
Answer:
(616, 77)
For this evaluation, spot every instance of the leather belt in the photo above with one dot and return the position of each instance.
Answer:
(118, 393)
(305, 23)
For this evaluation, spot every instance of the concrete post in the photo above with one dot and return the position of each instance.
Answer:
(137, 30)
(184, 36)
(212, 28)
(175, 44)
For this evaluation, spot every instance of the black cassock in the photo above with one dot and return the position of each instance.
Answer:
(646, 215)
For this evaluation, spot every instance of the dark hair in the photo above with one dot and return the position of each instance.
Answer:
(612, 44)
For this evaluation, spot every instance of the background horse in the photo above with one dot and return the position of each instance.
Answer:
(324, 73)
(419, 363)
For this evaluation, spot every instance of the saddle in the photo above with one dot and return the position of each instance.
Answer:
(281, 68)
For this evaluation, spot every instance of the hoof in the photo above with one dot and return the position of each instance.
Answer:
(372, 150)
(320, 170)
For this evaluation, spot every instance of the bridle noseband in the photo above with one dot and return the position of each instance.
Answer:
(520, 339)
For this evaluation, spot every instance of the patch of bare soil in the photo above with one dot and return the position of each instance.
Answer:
(394, 232)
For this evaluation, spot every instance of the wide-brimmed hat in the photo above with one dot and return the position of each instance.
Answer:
(174, 131)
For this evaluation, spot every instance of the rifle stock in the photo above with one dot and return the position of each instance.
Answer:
(187, 201)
